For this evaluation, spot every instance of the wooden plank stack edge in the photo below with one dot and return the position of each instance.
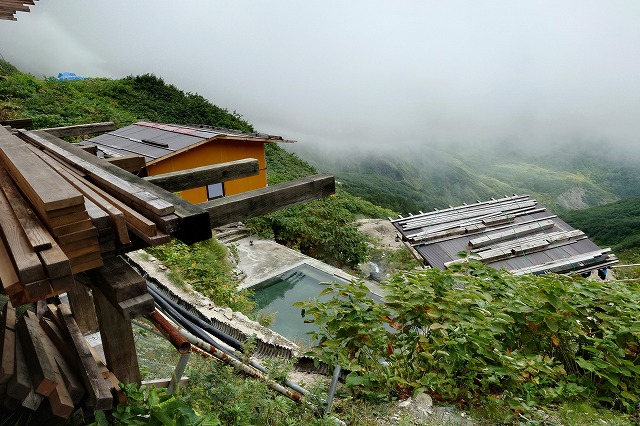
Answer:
(62, 214)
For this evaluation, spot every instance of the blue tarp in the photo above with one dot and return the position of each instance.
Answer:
(68, 76)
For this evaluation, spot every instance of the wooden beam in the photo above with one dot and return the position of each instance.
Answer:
(117, 340)
(194, 221)
(130, 163)
(8, 276)
(18, 2)
(80, 129)
(7, 342)
(19, 385)
(81, 302)
(38, 236)
(15, 8)
(68, 377)
(95, 385)
(266, 200)
(27, 263)
(201, 176)
(41, 370)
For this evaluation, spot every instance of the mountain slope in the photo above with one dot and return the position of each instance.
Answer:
(616, 224)
(428, 177)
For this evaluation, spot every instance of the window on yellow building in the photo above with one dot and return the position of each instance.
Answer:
(215, 190)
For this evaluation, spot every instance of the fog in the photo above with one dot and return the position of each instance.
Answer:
(365, 73)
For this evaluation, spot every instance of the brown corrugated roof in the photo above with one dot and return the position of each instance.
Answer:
(514, 233)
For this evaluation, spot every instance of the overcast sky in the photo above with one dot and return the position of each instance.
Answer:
(365, 72)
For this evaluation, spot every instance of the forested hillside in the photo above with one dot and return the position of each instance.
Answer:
(616, 225)
(427, 176)
(324, 228)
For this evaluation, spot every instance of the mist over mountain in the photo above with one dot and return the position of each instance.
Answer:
(564, 177)
(367, 74)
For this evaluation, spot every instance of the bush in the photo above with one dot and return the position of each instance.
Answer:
(205, 267)
(477, 335)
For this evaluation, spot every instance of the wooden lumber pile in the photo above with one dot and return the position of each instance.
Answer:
(48, 361)
(159, 212)
(46, 232)
(64, 211)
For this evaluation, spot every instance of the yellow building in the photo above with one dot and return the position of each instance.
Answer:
(169, 148)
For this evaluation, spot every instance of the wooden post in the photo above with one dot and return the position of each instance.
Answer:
(80, 129)
(81, 301)
(117, 340)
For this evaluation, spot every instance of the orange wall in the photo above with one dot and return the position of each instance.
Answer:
(216, 152)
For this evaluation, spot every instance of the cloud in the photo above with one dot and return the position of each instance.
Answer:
(366, 73)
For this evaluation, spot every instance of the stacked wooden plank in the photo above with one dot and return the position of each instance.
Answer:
(64, 211)
(9, 8)
(47, 361)
(152, 213)
(46, 231)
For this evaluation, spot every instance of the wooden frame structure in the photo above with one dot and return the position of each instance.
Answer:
(65, 217)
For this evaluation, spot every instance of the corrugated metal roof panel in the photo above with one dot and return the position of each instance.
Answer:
(439, 246)
(434, 255)
(155, 140)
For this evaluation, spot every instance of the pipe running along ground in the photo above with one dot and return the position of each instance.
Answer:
(232, 360)
(163, 301)
(185, 318)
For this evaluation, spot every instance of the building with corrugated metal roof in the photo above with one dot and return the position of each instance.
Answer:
(514, 233)
(170, 147)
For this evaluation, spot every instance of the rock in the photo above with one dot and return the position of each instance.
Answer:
(424, 401)
(378, 276)
(405, 403)
(419, 408)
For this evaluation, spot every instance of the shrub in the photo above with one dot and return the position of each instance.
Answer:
(476, 334)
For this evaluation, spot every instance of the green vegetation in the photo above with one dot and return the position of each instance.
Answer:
(431, 176)
(153, 407)
(53, 103)
(480, 337)
(324, 229)
(206, 268)
(616, 225)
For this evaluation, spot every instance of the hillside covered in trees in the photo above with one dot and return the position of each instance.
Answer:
(428, 175)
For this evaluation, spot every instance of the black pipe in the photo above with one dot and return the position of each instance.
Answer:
(189, 319)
